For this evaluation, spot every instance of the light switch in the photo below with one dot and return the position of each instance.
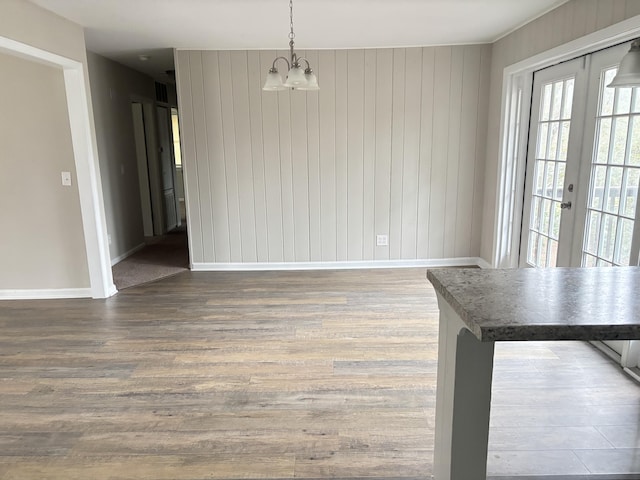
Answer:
(66, 179)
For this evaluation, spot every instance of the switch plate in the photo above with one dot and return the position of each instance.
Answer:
(382, 240)
(66, 179)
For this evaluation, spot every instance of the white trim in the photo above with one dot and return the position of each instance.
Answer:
(482, 263)
(31, 53)
(633, 373)
(86, 162)
(607, 350)
(258, 266)
(502, 253)
(135, 249)
(44, 293)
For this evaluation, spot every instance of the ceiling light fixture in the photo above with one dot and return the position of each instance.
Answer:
(629, 71)
(297, 78)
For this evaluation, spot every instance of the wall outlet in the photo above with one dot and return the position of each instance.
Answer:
(382, 240)
(109, 238)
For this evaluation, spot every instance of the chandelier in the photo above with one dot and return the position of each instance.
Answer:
(297, 78)
(629, 71)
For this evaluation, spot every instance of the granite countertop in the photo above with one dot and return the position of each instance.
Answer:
(544, 304)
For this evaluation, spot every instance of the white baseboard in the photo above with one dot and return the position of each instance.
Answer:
(112, 290)
(482, 263)
(44, 293)
(135, 249)
(258, 266)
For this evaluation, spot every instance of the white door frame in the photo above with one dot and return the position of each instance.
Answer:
(86, 160)
(517, 82)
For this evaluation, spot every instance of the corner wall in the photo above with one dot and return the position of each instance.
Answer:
(37, 35)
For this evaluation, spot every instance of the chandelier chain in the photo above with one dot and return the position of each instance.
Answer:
(291, 34)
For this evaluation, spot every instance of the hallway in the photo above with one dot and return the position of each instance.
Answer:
(163, 256)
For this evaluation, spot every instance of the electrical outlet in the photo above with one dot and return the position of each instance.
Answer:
(382, 240)
(109, 238)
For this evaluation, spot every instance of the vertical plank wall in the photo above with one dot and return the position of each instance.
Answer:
(568, 22)
(393, 143)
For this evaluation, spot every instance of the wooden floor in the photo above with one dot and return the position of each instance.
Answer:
(327, 374)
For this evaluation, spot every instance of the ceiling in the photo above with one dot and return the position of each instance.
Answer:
(124, 29)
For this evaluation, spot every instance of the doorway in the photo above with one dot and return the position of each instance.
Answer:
(165, 250)
(583, 172)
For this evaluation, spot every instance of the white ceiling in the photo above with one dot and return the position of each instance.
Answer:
(124, 29)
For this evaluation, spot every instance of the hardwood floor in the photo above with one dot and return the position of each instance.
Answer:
(327, 374)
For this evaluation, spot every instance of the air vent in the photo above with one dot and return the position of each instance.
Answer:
(161, 93)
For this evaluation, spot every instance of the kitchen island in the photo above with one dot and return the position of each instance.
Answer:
(480, 307)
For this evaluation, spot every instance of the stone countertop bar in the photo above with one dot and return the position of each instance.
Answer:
(544, 304)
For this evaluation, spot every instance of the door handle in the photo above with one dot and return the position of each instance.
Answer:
(566, 205)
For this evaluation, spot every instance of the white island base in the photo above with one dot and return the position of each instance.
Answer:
(480, 307)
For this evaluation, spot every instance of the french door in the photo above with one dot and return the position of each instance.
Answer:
(553, 163)
(583, 170)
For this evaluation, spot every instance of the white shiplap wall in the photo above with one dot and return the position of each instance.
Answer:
(568, 22)
(393, 143)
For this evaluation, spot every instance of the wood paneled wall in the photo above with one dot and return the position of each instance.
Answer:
(393, 143)
(570, 21)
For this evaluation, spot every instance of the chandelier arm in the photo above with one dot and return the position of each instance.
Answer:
(273, 66)
(300, 59)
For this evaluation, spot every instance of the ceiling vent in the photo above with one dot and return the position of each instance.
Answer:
(161, 93)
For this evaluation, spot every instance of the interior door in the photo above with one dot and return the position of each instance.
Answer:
(168, 167)
(137, 111)
(553, 162)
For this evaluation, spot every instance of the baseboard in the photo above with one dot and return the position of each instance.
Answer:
(135, 249)
(592, 476)
(44, 293)
(112, 290)
(482, 263)
(258, 266)
(607, 350)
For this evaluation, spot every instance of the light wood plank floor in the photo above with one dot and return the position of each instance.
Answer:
(326, 374)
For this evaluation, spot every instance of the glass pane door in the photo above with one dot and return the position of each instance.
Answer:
(615, 176)
(607, 231)
(552, 162)
(583, 171)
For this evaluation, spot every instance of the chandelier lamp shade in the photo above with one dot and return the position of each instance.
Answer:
(298, 78)
(629, 71)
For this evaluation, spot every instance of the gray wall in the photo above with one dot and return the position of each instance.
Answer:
(112, 88)
(42, 237)
(393, 143)
(572, 20)
(27, 23)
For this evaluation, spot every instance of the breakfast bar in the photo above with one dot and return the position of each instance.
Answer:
(480, 307)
